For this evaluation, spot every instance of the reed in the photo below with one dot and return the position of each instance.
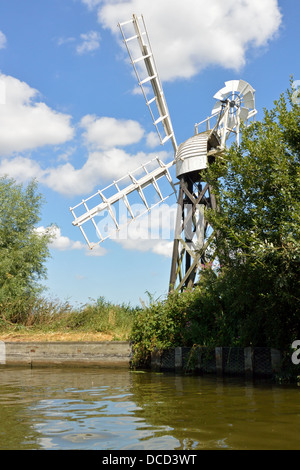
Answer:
(41, 315)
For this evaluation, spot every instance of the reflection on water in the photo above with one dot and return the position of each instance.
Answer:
(120, 409)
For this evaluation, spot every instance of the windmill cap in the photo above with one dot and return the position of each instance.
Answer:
(192, 154)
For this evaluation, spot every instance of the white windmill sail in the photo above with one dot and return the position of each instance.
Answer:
(137, 42)
(108, 201)
(138, 45)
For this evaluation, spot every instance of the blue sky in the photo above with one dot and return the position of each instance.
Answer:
(70, 115)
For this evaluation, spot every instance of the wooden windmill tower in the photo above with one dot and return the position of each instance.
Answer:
(235, 104)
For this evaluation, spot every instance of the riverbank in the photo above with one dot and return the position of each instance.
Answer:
(70, 349)
(89, 350)
(65, 353)
(54, 336)
(42, 320)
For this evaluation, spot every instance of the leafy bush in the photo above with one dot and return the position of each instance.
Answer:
(182, 319)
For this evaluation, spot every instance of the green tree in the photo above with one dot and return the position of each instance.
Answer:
(23, 250)
(258, 230)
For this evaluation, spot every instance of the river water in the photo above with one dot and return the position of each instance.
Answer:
(118, 409)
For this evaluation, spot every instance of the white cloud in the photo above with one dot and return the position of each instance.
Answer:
(99, 168)
(25, 124)
(191, 35)
(107, 132)
(66, 179)
(152, 232)
(62, 243)
(65, 155)
(152, 140)
(98, 250)
(164, 248)
(159, 247)
(2, 40)
(90, 42)
(91, 3)
(21, 169)
(62, 40)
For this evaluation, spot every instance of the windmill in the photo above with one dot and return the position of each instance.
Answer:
(235, 103)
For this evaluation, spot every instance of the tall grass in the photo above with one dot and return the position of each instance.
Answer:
(43, 315)
(103, 316)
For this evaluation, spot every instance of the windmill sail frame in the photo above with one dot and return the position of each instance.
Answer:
(147, 57)
(101, 203)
